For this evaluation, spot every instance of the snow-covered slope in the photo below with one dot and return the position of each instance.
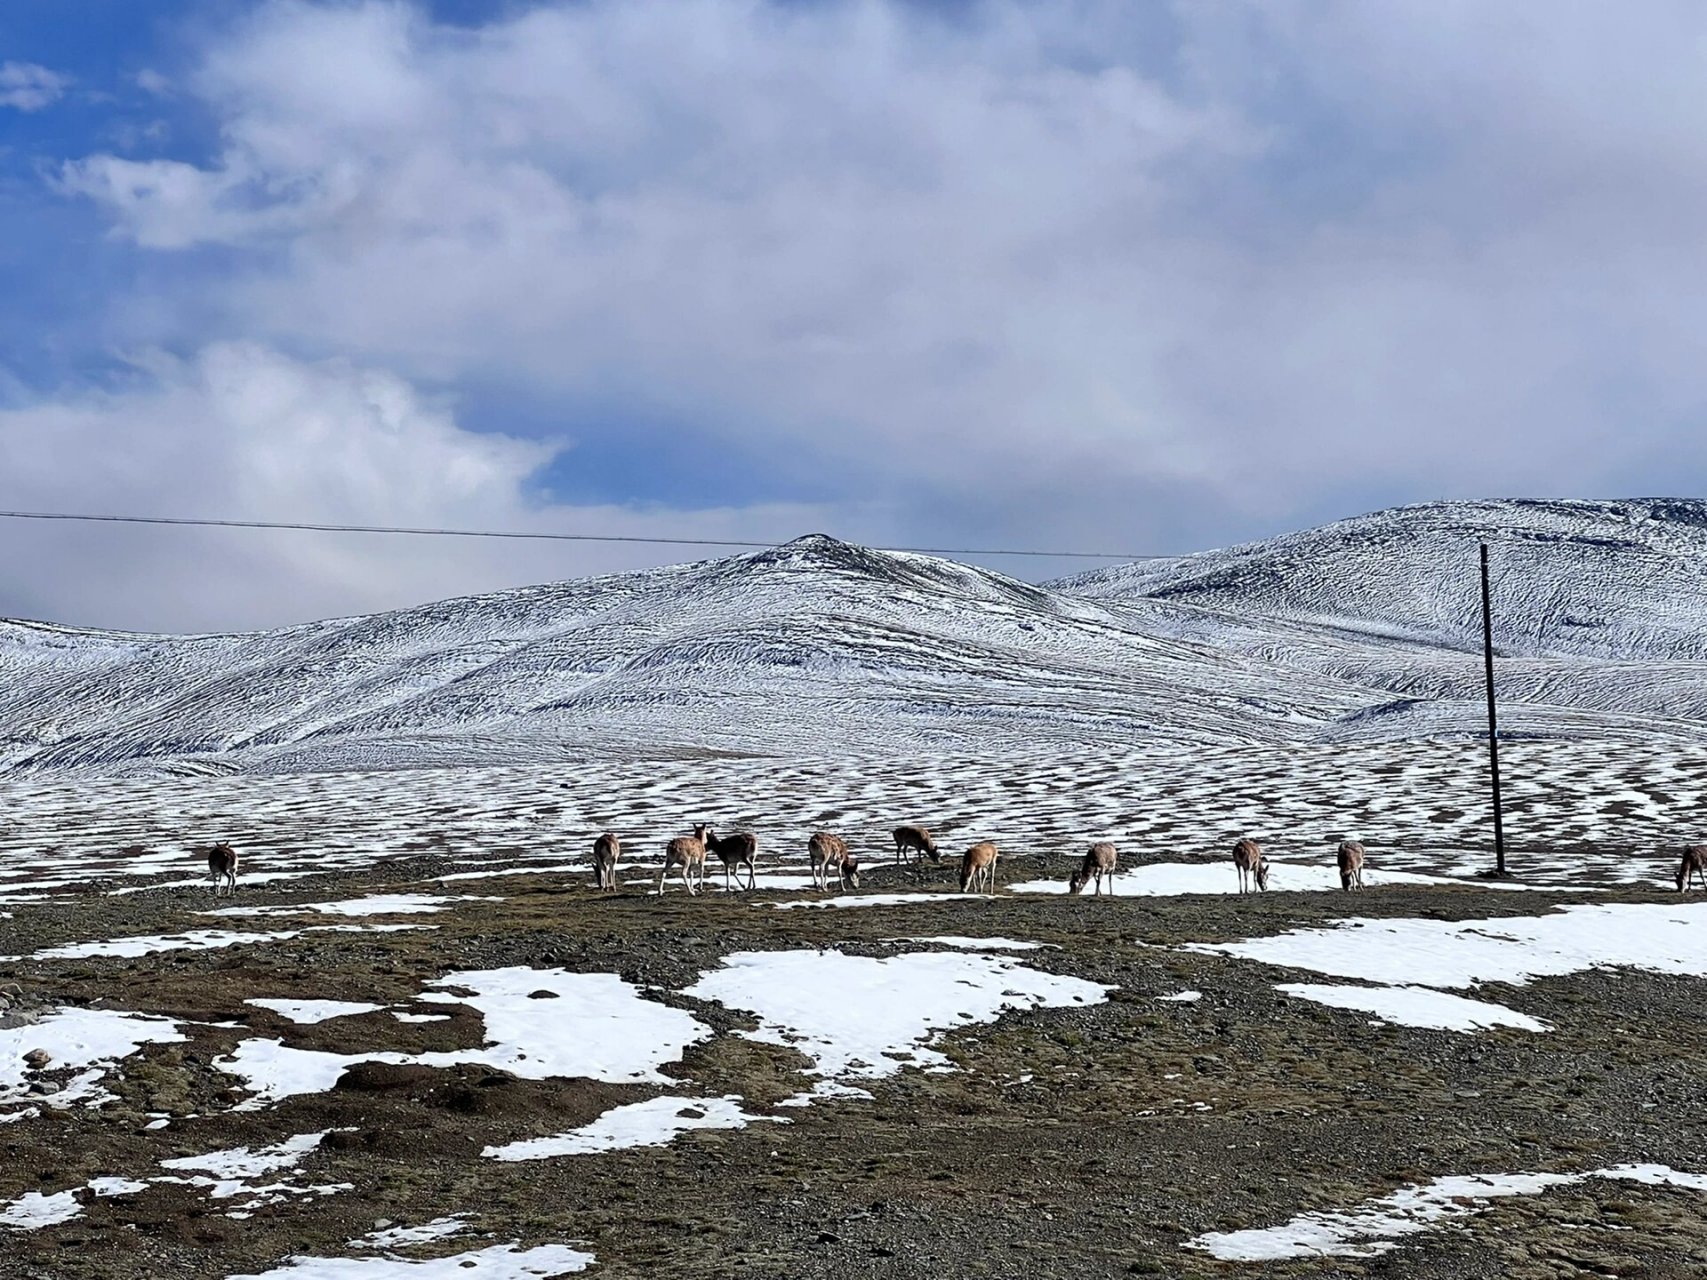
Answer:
(1363, 630)
(1625, 579)
(815, 645)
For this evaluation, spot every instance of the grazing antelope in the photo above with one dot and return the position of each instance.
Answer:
(1247, 857)
(978, 863)
(1099, 862)
(736, 851)
(829, 854)
(1693, 866)
(915, 840)
(606, 850)
(1351, 864)
(222, 867)
(686, 852)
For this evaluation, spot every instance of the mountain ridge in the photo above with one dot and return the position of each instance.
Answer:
(1359, 629)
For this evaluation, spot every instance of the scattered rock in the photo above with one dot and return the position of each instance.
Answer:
(38, 1058)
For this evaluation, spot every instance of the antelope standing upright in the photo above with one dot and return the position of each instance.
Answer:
(1351, 864)
(829, 854)
(978, 863)
(222, 867)
(606, 849)
(1693, 867)
(686, 852)
(1247, 857)
(735, 851)
(1099, 862)
(915, 840)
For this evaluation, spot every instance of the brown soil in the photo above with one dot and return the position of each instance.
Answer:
(1069, 1142)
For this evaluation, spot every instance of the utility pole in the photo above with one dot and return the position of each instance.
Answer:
(1493, 723)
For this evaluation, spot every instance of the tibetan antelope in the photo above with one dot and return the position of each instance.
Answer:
(829, 856)
(606, 849)
(978, 863)
(736, 851)
(1351, 864)
(916, 841)
(222, 867)
(1247, 857)
(1693, 867)
(1099, 862)
(687, 853)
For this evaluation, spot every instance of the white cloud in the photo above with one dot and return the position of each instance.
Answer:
(241, 431)
(840, 229)
(29, 87)
(1053, 272)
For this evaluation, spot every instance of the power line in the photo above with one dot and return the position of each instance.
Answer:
(547, 537)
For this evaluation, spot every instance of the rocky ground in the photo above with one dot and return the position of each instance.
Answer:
(1087, 1141)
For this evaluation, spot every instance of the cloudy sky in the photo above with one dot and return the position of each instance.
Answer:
(1110, 276)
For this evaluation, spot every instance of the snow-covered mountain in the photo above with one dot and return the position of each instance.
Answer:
(1623, 580)
(1366, 629)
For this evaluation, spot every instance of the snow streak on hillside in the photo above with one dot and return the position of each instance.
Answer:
(1362, 630)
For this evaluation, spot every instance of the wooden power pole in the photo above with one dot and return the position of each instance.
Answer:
(1493, 722)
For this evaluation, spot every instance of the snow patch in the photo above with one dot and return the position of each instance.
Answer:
(87, 1040)
(1416, 1007)
(32, 1211)
(1659, 937)
(393, 1237)
(979, 944)
(881, 900)
(653, 1123)
(1377, 1226)
(591, 1026)
(1174, 879)
(379, 904)
(191, 940)
(864, 1018)
(498, 1262)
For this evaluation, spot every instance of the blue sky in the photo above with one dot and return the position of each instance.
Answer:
(1083, 274)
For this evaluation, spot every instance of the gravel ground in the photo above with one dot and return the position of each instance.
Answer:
(1087, 1141)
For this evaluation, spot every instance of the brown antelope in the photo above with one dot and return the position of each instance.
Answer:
(606, 849)
(915, 840)
(1693, 866)
(222, 867)
(1099, 862)
(1351, 864)
(978, 863)
(687, 853)
(829, 854)
(1247, 857)
(736, 851)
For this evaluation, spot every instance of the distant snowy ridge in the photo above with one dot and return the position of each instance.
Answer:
(1363, 630)
(1619, 580)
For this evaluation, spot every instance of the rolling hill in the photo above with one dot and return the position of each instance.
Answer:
(1365, 629)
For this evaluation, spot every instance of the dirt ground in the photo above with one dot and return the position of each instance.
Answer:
(1077, 1142)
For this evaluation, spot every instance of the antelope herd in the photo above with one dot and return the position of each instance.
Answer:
(829, 859)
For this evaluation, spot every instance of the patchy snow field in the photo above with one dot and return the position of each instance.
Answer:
(1411, 956)
(562, 1054)
(1421, 808)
